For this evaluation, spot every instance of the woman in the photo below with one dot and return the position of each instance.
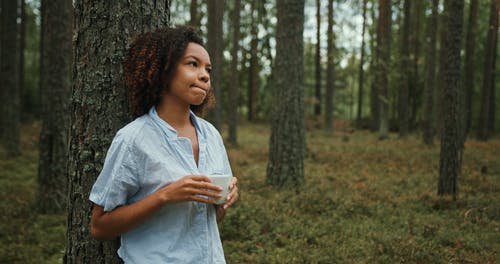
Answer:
(153, 190)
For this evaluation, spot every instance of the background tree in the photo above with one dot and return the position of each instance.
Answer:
(430, 76)
(234, 86)
(253, 71)
(317, 90)
(99, 108)
(195, 19)
(287, 144)
(374, 98)
(469, 65)
(10, 117)
(486, 116)
(383, 61)
(404, 84)
(22, 47)
(215, 47)
(55, 88)
(449, 165)
(361, 71)
(330, 81)
(415, 86)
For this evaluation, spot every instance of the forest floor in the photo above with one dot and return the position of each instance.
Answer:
(364, 201)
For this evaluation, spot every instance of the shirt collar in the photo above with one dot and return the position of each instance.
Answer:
(167, 129)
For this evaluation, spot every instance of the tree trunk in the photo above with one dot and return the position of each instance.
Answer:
(287, 144)
(193, 11)
(361, 71)
(430, 78)
(215, 46)
(415, 90)
(383, 63)
(487, 99)
(330, 80)
(438, 93)
(374, 99)
(10, 80)
(317, 90)
(491, 120)
(55, 87)
(469, 66)
(234, 85)
(404, 85)
(253, 78)
(99, 107)
(449, 162)
(22, 47)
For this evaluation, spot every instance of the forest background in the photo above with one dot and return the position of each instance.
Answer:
(370, 190)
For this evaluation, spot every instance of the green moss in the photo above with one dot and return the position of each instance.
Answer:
(364, 201)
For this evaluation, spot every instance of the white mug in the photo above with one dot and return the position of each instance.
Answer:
(223, 182)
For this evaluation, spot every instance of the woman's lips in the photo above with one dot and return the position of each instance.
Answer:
(199, 88)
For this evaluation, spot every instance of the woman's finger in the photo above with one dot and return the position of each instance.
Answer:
(201, 199)
(206, 186)
(234, 180)
(198, 178)
(231, 198)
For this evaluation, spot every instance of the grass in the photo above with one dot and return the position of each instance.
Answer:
(364, 201)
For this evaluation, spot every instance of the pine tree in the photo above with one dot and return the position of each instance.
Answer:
(287, 144)
(55, 86)
(103, 31)
(449, 164)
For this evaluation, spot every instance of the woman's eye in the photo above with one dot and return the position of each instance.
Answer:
(209, 70)
(193, 63)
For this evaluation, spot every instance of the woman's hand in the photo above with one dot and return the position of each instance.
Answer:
(190, 188)
(232, 197)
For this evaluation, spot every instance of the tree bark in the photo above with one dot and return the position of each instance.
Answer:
(469, 65)
(215, 46)
(103, 31)
(55, 74)
(361, 71)
(374, 100)
(234, 86)
(22, 47)
(430, 77)
(449, 162)
(194, 20)
(404, 85)
(317, 91)
(287, 143)
(487, 99)
(9, 79)
(415, 91)
(253, 73)
(330, 80)
(383, 63)
(491, 121)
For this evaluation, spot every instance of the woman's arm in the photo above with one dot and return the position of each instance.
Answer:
(108, 225)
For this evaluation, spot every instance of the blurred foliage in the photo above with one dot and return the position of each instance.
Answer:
(364, 201)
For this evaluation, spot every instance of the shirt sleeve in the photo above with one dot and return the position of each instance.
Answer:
(118, 179)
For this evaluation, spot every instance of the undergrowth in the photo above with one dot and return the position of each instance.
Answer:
(363, 201)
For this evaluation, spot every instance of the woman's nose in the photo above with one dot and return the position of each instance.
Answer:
(204, 76)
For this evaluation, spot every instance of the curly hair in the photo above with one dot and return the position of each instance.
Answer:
(150, 66)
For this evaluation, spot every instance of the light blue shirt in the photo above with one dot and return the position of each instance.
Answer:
(146, 155)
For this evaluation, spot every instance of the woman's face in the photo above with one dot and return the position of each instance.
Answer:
(190, 83)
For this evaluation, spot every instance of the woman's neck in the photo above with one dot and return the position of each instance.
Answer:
(174, 114)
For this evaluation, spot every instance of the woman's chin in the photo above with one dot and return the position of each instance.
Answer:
(198, 101)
